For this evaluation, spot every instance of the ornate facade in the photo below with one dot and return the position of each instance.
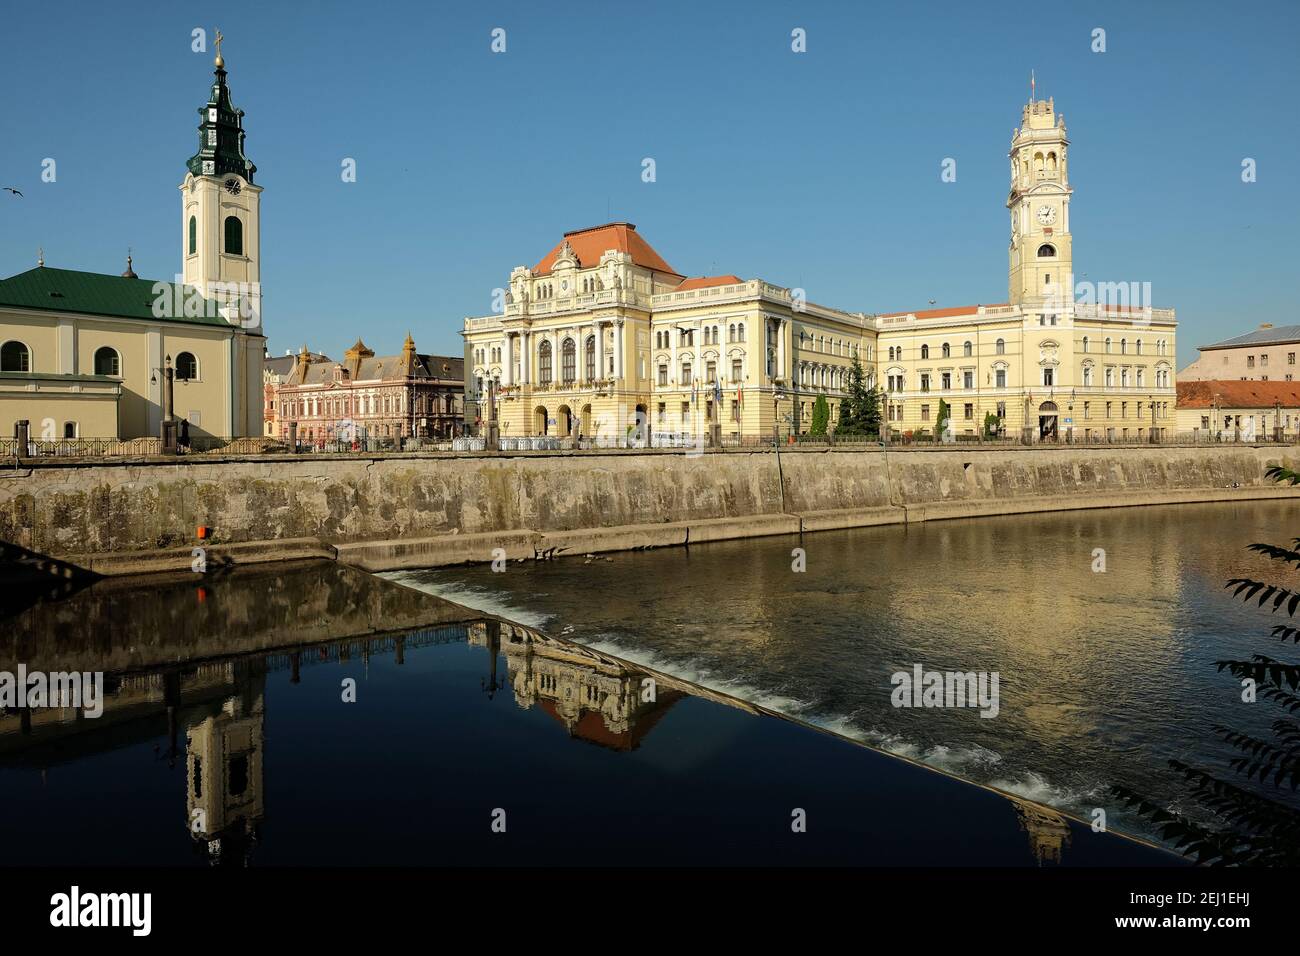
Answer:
(411, 395)
(603, 339)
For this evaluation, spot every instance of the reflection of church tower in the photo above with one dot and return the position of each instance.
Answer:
(1049, 833)
(224, 774)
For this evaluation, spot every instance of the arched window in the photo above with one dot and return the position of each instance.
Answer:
(568, 361)
(544, 363)
(69, 429)
(946, 351)
(1123, 346)
(1137, 347)
(1108, 345)
(925, 351)
(1000, 347)
(187, 367)
(1046, 251)
(15, 357)
(967, 350)
(740, 329)
(234, 236)
(590, 358)
(107, 361)
(1085, 343)
(194, 235)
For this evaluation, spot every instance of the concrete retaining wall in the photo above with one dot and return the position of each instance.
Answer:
(411, 511)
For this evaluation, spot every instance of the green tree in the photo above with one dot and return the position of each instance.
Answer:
(859, 412)
(1251, 827)
(945, 412)
(871, 412)
(821, 416)
(991, 425)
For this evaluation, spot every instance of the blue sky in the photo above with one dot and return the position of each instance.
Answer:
(818, 170)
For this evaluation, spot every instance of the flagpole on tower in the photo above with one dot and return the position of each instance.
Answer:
(1031, 87)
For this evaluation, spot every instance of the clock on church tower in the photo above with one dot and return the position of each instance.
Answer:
(1041, 265)
(220, 209)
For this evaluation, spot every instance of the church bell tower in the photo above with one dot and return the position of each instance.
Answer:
(1041, 267)
(220, 210)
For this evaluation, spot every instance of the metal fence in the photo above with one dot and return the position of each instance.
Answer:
(100, 448)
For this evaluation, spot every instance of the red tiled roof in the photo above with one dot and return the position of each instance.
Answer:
(590, 244)
(1233, 393)
(708, 282)
(945, 313)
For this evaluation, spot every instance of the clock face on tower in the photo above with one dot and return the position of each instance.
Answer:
(1046, 215)
(233, 187)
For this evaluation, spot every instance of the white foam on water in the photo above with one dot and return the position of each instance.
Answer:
(487, 600)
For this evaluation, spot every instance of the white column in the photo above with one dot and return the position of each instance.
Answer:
(673, 336)
(525, 358)
(509, 356)
(618, 348)
(600, 350)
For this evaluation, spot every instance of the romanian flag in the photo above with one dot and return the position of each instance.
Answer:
(740, 395)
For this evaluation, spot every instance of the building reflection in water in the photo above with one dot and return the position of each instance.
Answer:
(595, 698)
(201, 696)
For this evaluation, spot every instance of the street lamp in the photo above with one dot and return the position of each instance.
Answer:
(167, 427)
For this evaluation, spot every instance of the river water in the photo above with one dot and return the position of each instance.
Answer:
(1104, 675)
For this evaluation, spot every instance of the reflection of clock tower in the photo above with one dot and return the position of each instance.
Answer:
(220, 227)
(1041, 260)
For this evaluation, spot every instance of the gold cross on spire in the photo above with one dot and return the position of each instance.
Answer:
(220, 61)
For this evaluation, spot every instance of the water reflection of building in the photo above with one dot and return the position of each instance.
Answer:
(224, 791)
(1049, 833)
(596, 698)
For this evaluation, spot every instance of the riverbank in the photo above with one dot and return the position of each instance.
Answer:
(387, 512)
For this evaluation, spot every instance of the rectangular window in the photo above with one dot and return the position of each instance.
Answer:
(1000, 378)
(736, 370)
(663, 374)
(686, 411)
(970, 411)
(925, 413)
(1263, 361)
(663, 412)
(925, 382)
(1049, 376)
(946, 379)
(1002, 410)
(968, 379)
(1250, 361)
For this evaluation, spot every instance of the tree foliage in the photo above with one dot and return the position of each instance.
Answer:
(821, 416)
(1251, 826)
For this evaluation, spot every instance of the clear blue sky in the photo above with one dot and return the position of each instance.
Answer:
(818, 170)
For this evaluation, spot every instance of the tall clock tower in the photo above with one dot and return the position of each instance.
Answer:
(1041, 260)
(220, 209)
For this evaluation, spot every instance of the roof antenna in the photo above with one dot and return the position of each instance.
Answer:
(1032, 87)
(40, 257)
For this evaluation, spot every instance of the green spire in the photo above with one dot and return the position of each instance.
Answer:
(221, 134)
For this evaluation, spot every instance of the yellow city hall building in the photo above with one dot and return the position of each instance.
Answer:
(602, 339)
(88, 355)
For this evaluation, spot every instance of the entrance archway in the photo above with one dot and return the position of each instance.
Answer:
(564, 421)
(1048, 419)
(540, 421)
(584, 427)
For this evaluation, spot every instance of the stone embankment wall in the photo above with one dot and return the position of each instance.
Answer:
(407, 511)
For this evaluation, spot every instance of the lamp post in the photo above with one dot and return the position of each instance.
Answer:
(777, 397)
(166, 427)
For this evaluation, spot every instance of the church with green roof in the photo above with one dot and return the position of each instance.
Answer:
(111, 356)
